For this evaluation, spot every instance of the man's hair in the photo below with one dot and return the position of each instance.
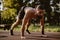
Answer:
(40, 7)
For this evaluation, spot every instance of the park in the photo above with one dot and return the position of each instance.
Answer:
(30, 20)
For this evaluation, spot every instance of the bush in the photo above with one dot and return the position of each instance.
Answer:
(8, 15)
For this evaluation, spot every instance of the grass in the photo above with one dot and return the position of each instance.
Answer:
(52, 28)
(38, 29)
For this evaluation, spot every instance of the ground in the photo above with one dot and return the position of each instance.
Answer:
(4, 35)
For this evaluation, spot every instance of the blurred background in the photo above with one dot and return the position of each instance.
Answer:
(10, 8)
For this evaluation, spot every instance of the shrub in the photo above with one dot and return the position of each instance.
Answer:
(8, 15)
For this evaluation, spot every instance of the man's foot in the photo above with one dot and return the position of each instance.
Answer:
(11, 32)
(22, 37)
(44, 36)
(42, 32)
(28, 31)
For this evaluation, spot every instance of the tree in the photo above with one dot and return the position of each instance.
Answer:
(8, 15)
(11, 9)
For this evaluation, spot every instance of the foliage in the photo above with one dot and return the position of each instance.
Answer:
(11, 8)
(13, 4)
(10, 11)
(8, 3)
(8, 14)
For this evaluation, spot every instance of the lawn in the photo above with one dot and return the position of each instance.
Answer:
(36, 28)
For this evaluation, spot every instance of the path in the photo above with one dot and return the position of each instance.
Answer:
(4, 35)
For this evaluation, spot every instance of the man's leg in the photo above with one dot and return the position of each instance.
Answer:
(24, 22)
(28, 24)
(14, 25)
(42, 24)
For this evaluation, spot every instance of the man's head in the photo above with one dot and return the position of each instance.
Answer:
(40, 10)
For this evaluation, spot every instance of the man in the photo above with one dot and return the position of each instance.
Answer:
(20, 15)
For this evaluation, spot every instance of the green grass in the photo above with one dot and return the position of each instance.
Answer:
(52, 28)
(38, 29)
